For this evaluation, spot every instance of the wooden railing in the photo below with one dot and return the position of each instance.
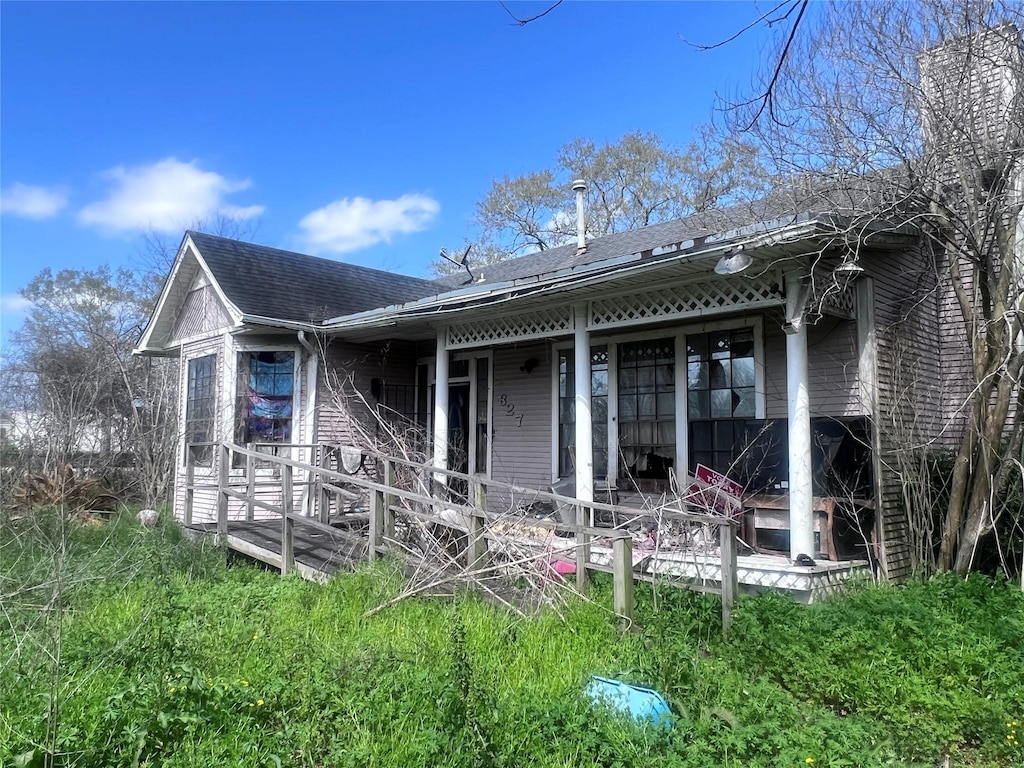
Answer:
(387, 498)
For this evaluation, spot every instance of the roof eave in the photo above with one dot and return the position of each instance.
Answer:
(789, 229)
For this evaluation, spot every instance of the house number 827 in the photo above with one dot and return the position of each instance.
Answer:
(510, 410)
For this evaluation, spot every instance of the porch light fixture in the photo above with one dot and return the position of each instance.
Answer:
(734, 262)
(849, 269)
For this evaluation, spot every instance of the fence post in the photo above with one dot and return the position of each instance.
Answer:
(323, 495)
(727, 548)
(223, 483)
(476, 545)
(389, 501)
(622, 577)
(250, 484)
(190, 480)
(287, 523)
(582, 548)
(376, 522)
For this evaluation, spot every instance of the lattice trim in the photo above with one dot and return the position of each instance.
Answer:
(527, 325)
(693, 299)
(840, 303)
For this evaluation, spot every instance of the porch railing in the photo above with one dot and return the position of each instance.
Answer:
(387, 497)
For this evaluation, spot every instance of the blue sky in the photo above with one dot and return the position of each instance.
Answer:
(364, 132)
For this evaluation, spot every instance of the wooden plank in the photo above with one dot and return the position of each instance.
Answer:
(729, 582)
(223, 480)
(190, 481)
(622, 577)
(287, 522)
(250, 486)
(582, 549)
(376, 524)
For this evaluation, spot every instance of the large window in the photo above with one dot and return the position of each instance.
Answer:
(598, 410)
(200, 401)
(265, 393)
(647, 408)
(721, 396)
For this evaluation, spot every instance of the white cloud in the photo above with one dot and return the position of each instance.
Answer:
(14, 304)
(33, 202)
(353, 223)
(165, 197)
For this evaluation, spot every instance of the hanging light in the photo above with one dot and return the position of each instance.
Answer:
(734, 262)
(849, 268)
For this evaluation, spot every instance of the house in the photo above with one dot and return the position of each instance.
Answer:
(776, 344)
(686, 364)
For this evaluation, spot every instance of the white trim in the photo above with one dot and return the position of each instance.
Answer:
(233, 312)
(215, 353)
(679, 334)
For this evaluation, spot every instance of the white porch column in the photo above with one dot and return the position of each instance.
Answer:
(441, 405)
(584, 426)
(801, 492)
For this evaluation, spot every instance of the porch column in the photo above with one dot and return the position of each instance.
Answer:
(584, 426)
(801, 492)
(441, 405)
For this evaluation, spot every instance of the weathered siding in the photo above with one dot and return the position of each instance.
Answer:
(909, 359)
(204, 505)
(344, 390)
(521, 449)
(227, 350)
(833, 380)
(200, 314)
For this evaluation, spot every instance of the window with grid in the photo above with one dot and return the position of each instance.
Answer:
(721, 396)
(265, 392)
(200, 403)
(598, 410)
(647, 407)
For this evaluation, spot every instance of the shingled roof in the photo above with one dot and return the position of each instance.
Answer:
(283, 285)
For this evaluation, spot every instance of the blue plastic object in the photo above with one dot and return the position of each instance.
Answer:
(642, 704)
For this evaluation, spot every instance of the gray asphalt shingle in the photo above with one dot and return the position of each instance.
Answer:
(284, 285)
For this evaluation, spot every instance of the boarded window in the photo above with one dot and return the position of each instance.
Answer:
(200, 403)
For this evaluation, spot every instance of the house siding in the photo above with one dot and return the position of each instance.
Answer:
(909, 373)
(521, 421)
(204, 507)
(833, 379)
(201, 313)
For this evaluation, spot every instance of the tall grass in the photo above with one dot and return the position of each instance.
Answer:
(130, 647)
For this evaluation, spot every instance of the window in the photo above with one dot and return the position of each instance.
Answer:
(598, 410)
(265, 393)
(647, 407)
(721, 395)
(200, 401)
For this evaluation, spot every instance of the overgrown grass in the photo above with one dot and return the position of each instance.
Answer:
(128, 647)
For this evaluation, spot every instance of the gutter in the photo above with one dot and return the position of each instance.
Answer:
(568, 278)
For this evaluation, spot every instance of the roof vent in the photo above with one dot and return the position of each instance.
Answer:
(579, 187)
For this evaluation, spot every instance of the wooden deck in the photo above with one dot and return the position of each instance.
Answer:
(318, 553)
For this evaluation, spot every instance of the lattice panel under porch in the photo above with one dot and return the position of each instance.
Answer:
(691, 300)
(528, 325)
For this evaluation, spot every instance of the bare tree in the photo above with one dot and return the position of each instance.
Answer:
(911, 115)
(81, 388)
(637, 181)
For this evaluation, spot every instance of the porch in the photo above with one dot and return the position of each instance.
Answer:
(367, 504)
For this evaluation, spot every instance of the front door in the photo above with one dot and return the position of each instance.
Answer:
(459, 432)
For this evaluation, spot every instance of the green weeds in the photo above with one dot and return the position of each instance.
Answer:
(130, 647)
